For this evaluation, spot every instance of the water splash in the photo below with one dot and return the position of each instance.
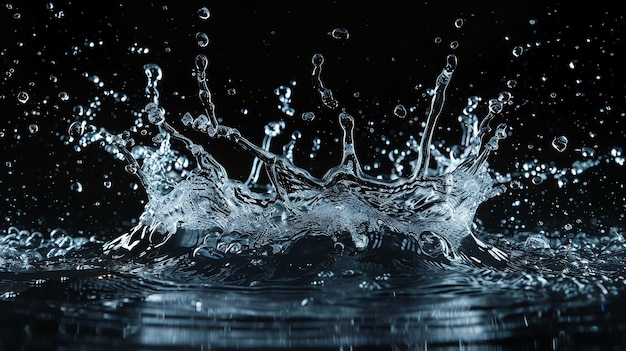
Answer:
(430, 211)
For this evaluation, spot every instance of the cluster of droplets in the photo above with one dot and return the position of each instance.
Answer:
(22, 249)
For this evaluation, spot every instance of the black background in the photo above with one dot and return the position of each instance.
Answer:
(256, 47)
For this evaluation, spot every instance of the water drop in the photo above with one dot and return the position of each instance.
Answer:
(202, 39)
(495, 106)
(431, 244)
(537, 180)
(308, 116)
(560, 143)
(76, 129)
(518, 51)
(156, 114)
(22, 97)
(458, 23)
(33, 128)
(454, 44)
(204, 13)
(340, 33)
(187, 119)
(77, 187)
(131, 168)
(201, 123)
(400, 111)
(64, 96)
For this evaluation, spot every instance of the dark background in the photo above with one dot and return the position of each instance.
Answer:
(570, 81)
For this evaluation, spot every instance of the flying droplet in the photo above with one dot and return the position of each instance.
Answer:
(458, 23)
(22, 97)
(400, 111)
(340, 33)
(204, 13)
(308, 116)
(560, 143)
(64, 96)
(518, 51)
(202, 39)
(33, 128)
(76, 129)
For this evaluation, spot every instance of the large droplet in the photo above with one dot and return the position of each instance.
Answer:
(400, 111)
(202, 39)
(559, 143)
(340, 33)
(518, 51)
(22, 97)
(204, 13)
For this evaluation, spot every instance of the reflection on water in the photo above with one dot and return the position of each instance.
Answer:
(389, 250)
(434, 311)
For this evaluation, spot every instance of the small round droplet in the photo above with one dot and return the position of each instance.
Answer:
(22, 97)
(340, 33)
(131, 168)
(458, 23)
(559, 143)
(156, 114)
(33, 128)
(308, 116)
(76, 129)
(518, 51)
(400, 111)
(537, 180)
(64, 96)
(204, 13)
(202, 39)
(77, 187)
(454, 45)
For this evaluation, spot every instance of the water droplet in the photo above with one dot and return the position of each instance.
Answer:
(518, 51)
(308, 116)
(33, 128)
(22, 97)
(431, 244)
(458, 23)
(76, 129)
(50, 6)
(537, 180)
(400, 111)
(560, 143)
(64, 96)
(201, 123)
(454, 44)
(511, 83)
(202, 39)
(77, 187)
(131, 168)
(204, 13)
(340, 33)
(187, 119)
(156, 114)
